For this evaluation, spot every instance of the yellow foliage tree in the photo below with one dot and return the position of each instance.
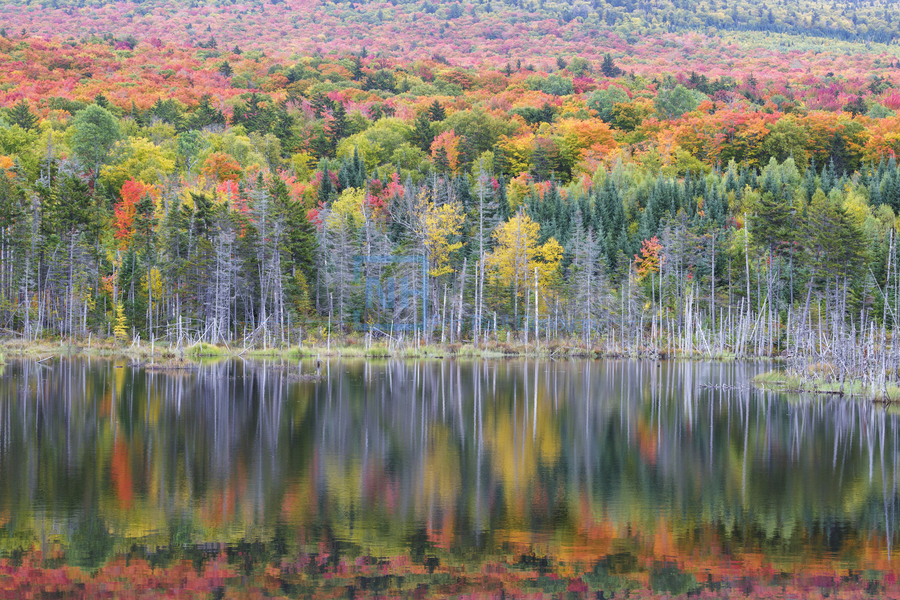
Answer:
(141, 160)
(347, 207)
(518, 254)
(119, 330)
(518, 151)
(440, 224)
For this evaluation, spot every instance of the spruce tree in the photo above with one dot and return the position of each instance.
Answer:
(423, 134)
(205, 115)
(21, 115)
(436, 112)
(326, 188)
(339, 126)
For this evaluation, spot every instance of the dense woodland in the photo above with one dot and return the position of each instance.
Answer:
(160, 191)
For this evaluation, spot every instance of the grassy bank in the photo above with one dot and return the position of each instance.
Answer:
(809, 383)
(350, 347)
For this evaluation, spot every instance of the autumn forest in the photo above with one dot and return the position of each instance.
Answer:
(622, 184)
(207, 207)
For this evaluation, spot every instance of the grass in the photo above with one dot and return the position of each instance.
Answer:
(350, 346)
(783, 381)
(203, 349)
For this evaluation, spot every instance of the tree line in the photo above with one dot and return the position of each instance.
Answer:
(627, 259)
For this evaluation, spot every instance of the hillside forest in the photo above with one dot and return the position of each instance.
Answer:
(597, 180)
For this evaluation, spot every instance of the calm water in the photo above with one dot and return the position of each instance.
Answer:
(442, 477)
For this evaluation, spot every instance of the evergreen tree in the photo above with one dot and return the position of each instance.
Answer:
(770, 222)
(320, 104)
(423, 134)
(20, 114)
(338, 127)
(167, 111)
(827, 178)
(353, 172)
(202, 215)
(255, 116)
(205, 115)
(436, 112)
(608, 67)
(326, 188)
(809, 184)
(540, 163)
(101, 101)
(319, 144)
(441, 161)
(300, 234)
(356, 71)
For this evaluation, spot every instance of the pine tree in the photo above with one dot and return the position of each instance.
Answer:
(356, 69)
(608, 67)
(205, 115)
(436, 112)
(166, 111)
(95, 132)
(809, 184)
(21, 115)
(540, 163)
(338, 127)
(320, 104)
(101, 101)
(353, 172)
(326, 188)
(423, 134)
(300, 235)
(320, 146)
(827, 178)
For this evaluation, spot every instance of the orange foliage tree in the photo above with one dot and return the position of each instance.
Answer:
(221, 167)
(125, 210)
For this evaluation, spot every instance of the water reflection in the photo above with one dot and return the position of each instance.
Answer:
(648, 463)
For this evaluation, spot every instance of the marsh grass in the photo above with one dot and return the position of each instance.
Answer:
(807, 382)
(203, 349)
(351, 346)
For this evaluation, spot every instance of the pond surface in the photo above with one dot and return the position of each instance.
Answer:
(440, 478)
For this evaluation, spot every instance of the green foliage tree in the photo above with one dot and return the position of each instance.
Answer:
(188, 146)
(205, 115)
(609, 68)
(423, 134)
(20, 114)
(436, 112)
(603, 101)
(338, 126)
(673, 103)
(94, 134)
(353, 172)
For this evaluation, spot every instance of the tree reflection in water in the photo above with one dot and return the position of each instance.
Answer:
(586, 475)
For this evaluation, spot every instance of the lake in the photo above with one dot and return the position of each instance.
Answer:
(439, 479)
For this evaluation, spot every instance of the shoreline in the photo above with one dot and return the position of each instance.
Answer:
(784, 382)
(347, 348)
(164, 358)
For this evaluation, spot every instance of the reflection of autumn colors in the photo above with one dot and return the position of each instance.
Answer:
(512, 475)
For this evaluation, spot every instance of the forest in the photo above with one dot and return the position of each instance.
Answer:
(715, 195)
(279, 182)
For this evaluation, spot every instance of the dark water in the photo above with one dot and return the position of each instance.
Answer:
(444, 477)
